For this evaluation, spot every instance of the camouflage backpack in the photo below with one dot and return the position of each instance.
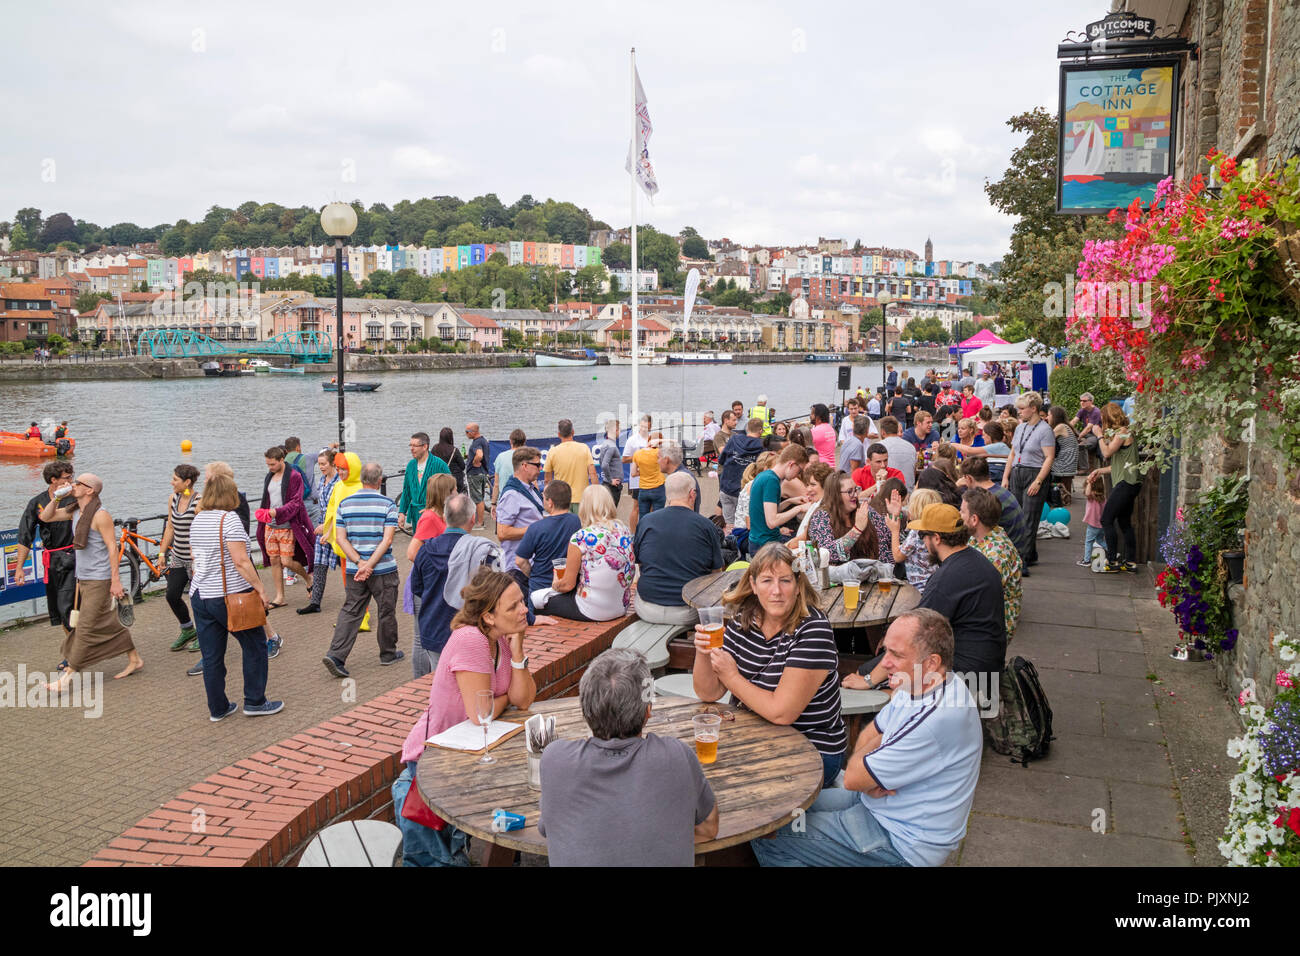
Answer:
(1023, 725)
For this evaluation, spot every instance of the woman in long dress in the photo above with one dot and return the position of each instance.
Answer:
(98, 634)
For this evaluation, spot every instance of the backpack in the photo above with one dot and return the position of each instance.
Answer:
(1023, 726)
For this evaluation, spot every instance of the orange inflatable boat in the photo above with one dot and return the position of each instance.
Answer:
(18, 445)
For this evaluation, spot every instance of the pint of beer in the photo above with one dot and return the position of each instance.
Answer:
(711, 620)
(707, 727)
(851, 591)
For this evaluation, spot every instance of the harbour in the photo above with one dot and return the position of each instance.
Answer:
(130, 432)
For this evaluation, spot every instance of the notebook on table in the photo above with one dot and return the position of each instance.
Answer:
(468, 735)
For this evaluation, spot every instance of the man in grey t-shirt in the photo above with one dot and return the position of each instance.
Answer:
(618, 799)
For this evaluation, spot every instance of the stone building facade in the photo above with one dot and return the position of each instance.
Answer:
(1241, 95)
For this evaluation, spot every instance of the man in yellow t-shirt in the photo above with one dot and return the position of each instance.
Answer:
(645, 465)
(571, 462)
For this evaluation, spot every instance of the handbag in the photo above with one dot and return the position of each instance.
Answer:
(244, 611)
(75, 613)
(413, 807)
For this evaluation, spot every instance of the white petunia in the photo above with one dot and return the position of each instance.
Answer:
(1235, 747)
(1286, 652)
(1256, 712)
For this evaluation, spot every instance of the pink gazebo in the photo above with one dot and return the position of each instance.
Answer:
(977, 341)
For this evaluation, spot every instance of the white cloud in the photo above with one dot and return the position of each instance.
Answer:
(422, 161)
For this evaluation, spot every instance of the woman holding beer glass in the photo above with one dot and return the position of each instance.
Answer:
(778, 657)
(485, 652)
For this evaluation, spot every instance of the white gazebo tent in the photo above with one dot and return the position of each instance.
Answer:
(1015, 352)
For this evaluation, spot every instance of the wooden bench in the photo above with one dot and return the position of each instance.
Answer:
(355, 843)
(650, 639)
(856, 704)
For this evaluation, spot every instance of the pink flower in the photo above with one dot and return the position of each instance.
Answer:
(1284, 679)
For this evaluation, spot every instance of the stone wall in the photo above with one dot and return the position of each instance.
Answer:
(1270, 600)
(1282, 83)
(115, 370)
(1242, 96)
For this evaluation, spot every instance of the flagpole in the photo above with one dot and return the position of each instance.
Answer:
(636, 407)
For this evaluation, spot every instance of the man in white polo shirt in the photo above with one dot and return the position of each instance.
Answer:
(909, 785)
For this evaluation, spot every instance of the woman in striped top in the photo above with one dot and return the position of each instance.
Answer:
(778, 656)
(175, 547)
(219, 545)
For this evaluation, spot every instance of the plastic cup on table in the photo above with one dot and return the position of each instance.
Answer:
(707, 728)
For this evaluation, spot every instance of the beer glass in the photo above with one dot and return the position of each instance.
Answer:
(852, 590)
(707, 729)
(711, 619)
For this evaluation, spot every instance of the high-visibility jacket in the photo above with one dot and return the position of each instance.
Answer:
(764, 413)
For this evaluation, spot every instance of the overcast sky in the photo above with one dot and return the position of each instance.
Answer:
(773, 122)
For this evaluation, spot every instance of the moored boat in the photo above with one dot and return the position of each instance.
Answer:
(645, 356)
(823, 357)
(351, 386)
(698, 358)
(212, 369)
(291, 370)
(562, 359)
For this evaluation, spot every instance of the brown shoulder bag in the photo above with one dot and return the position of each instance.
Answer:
(244, 611)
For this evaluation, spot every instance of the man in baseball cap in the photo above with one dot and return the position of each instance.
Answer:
(965, 588)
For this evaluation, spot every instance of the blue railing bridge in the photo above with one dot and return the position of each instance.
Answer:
(186, 343)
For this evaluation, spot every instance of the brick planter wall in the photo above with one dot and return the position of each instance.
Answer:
(263, 810)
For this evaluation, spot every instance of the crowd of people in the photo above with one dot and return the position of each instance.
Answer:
(934, 482)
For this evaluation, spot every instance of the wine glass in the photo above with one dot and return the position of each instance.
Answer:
(485, 707)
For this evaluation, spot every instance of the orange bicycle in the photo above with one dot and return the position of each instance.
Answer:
(135, 549)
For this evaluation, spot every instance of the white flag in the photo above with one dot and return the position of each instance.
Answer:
(638, 154)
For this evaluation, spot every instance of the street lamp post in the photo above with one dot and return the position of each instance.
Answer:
(884, 299)
(339, 220)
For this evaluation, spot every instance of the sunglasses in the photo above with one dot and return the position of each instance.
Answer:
(718, 712)
(535, 464)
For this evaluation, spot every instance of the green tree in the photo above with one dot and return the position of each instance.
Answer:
(927, 330)
(30, 220)
(89, 301)
(618, 255)
(19, 238)
(589, 280)
(58, 228)
(695, 248)
(869, 323)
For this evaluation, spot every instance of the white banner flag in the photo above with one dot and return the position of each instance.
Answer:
(638, 152)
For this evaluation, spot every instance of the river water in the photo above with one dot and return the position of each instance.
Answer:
(130, 433)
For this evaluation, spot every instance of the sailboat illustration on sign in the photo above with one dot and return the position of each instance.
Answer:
(1086, 162)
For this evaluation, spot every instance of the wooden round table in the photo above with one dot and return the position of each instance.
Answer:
(763, 774)
(875, 606)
